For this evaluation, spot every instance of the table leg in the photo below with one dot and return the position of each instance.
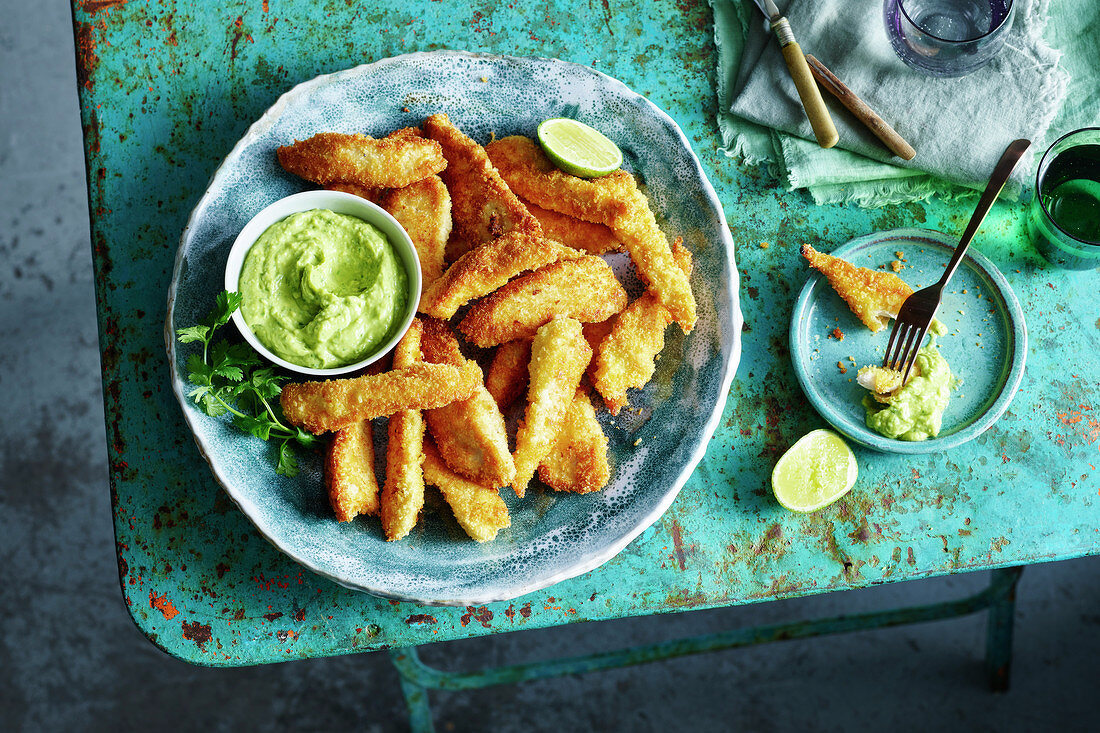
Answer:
(416, 697)
(999, 598)
(998, 641)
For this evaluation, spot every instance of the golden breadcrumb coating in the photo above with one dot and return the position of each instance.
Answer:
(374, 195)
(532, 176)
(391, 162)
(873, 295)
(625, 357)
(337, 403)
(595, 239)
(479, 510)
(559, 355)
(584, 288)
(482, 205)
(424, 210)
(486, 268)
(884, 383)
(349, 472)
(578, 460)
(469, 433)
(403, 492)
(613, 200)
(506, 379)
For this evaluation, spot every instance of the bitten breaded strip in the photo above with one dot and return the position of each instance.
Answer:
(559, 355)
(337, 403)
(481, 271)
(507, 376)
(374, 195)
(578, 460)
(595, 239)
(469, 433)
(584, 288)
(483, 206)
(613, 200)
(479, 510)
(391, 162)
(532, 176)
(349, 472)
(424, 210)
(625, 357)
(872, 295)
(403, 492)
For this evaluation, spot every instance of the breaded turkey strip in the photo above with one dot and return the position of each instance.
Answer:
(337, 403)
(439, 344)
(469, 433)
(595, 333)
(625, 357)
(424, 210)
(584, 288)
(374, 195)
(391, 162)
(578, 460)
(479, 510)
(595, 239)
(652, 257)
(481, 271)
(349, 472)
(528, 172)
(403, 492)
(874, 296)
(613, 200)
(483, 206)
(559, 355)
(506, 379)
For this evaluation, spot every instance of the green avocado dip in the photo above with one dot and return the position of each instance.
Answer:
(915, 411)
(322, 289)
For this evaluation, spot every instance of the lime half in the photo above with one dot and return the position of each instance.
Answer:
(816, 471)
(578, 149)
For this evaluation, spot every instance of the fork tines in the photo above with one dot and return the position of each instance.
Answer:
(909, 338)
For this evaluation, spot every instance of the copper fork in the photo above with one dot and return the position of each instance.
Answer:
(916, 313)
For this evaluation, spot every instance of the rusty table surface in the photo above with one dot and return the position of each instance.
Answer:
(167, 88)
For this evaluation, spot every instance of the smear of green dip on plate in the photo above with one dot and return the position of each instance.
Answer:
(915, 412)
(323, 289)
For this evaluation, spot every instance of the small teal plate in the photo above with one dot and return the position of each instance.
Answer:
(986, 344)
(653, 447)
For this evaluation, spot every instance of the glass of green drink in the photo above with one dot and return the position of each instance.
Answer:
(1064, 221)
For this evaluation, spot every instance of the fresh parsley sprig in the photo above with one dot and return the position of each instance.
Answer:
(231, 379)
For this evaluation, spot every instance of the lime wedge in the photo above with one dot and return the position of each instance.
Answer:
(814, 472)
(578, 149)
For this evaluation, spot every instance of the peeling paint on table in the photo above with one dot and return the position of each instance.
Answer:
(168, 87)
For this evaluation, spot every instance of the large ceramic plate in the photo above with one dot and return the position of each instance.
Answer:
(653, 447)
(986, 344)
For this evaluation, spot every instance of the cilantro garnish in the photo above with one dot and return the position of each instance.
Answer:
(231, 379)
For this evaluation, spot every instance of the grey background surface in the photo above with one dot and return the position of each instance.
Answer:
(70, 659)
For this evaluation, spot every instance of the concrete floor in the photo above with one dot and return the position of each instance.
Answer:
(70, 659)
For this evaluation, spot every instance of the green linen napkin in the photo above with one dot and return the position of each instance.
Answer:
(958, 126)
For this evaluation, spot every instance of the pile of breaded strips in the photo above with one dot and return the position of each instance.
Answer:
(532, 266)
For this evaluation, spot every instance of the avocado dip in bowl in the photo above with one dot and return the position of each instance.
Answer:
(329, 282)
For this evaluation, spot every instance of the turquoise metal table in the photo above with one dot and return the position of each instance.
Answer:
(166, 89)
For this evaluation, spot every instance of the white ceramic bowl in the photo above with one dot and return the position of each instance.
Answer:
(341, 203)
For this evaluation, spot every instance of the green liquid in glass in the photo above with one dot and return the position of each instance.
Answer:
(1071, 192)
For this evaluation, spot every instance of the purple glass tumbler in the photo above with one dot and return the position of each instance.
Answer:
(947, 37)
